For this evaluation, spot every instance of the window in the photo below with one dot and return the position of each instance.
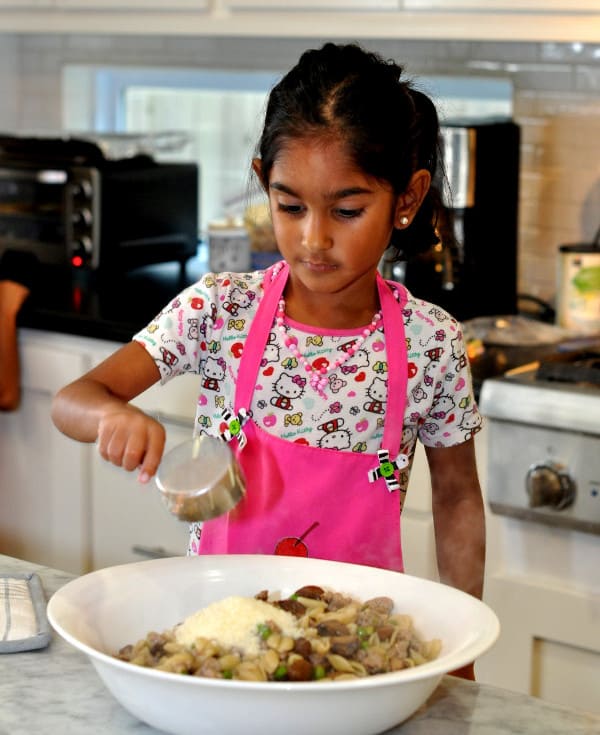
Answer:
(218, 115)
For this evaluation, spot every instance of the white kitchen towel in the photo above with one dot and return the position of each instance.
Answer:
(23, 622)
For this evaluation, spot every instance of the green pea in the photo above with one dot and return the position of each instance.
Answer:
(280, 672)
(263, 631)
(319, 672)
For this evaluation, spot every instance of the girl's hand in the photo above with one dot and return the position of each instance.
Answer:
(465, 672)
(131, 439)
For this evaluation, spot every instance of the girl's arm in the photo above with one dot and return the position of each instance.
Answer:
(12, 296)
(458, 516)
(96, 407)
(459, 521)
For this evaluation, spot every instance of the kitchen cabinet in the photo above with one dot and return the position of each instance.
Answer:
(43, 505)
(315, 4)
(536, 6)
(139, 5)
(498, 20)
(26, 4)
(128, 520)
(60, 503)
(418, 537)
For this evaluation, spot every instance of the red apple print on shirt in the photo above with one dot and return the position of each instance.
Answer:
(236, 349)
(360, 377)
(268, 371)
(450, 419)
(197, 302)
(412, 369)
(320, 362)
(226, 282)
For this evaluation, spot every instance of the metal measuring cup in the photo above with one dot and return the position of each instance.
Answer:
(200, 479)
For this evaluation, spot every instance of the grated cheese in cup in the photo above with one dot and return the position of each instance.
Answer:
(233, 622)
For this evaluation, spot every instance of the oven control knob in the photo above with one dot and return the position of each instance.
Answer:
(82, 217)
(549, 485)
(83, 188)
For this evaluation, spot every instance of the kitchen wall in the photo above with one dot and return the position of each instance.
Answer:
(556, 101)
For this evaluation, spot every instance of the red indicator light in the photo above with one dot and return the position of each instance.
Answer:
(77, 261)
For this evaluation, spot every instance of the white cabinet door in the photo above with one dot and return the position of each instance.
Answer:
(26, 4)
(418, 537)
(166, 5)
(533, 6)
(129, 521)
(315, 4)
(44, 498)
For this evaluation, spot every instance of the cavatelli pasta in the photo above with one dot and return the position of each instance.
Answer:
(338, 637)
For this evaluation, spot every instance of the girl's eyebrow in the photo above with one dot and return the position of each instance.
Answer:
(333, 196)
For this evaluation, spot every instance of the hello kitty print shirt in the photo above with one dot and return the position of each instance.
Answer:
(204, 329)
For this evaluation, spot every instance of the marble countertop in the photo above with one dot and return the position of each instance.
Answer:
(56, 690)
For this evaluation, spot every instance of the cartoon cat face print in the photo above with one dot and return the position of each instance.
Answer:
(470, 422)
(272, 351)
(458, 352)
(193, 329)
(442, 406)
(290, 386)
(335, 437)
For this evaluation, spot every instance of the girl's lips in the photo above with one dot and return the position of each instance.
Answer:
(319, 266)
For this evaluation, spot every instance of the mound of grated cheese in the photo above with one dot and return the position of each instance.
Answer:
(233, 622)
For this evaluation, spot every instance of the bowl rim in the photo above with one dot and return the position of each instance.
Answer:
(488, 635)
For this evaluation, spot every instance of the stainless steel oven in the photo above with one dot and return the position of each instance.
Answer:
(542, 485)
(544, 441)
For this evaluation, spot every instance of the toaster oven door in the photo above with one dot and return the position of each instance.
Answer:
(33, 212)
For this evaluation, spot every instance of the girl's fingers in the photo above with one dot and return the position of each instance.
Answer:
(153, 455)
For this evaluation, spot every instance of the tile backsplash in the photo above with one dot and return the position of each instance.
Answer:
(556, 102)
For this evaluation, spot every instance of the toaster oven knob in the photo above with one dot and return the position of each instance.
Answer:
(83, 189)
(549, 485)
(81, 252)
(82, 217)
(84, 245)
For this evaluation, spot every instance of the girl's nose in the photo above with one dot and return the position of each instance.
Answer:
(315, 236)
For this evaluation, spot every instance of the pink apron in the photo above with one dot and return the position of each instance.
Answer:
(307, 501)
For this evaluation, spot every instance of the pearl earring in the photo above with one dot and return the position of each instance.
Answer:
(404, 220)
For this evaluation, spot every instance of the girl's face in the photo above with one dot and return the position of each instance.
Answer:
(332, 222)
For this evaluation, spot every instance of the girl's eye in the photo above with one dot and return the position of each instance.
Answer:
(350, 213)
(289, 208)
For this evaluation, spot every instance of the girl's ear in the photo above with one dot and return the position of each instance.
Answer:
(408, 203)
(257, 168)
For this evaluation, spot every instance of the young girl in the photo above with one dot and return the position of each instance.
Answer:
(332, 372)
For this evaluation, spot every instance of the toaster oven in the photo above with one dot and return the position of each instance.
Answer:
(67, 202)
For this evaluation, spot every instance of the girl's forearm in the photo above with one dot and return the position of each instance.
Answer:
(460, 544)
(78, 408)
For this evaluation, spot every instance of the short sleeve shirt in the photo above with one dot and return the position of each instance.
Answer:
(204, 329)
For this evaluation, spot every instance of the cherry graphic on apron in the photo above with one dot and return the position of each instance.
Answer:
(294, 545)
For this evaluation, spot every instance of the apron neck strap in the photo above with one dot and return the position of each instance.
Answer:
(273, 284)
(395, 346)
(391, 308)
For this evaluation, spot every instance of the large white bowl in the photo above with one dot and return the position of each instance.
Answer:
(100, 612)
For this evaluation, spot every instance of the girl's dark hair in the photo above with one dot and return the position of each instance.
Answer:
(391, 129)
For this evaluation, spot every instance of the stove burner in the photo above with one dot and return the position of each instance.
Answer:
(581, 367)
